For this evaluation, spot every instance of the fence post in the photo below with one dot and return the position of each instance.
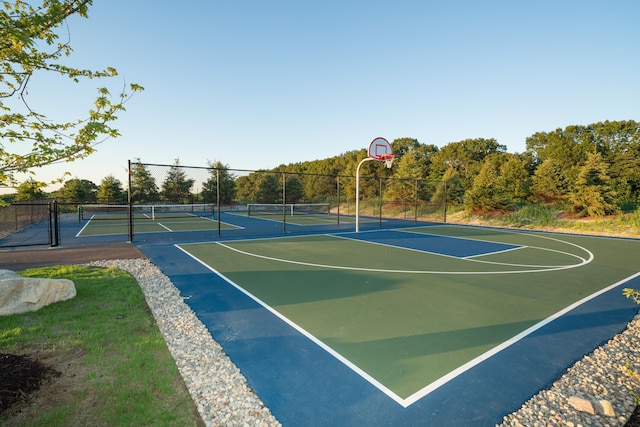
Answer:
(338, 198)
(50, 222)
(380, 201)
(284, 202)
(218, 201)
(415, 190)
(129, 202)
(56, 224)
(445, 201)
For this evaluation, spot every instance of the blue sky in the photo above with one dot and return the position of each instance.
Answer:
(255, 84)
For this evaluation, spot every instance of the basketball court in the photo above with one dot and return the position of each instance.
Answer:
(435, 325)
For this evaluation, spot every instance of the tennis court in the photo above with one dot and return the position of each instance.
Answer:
(393, 326)
(102, 220)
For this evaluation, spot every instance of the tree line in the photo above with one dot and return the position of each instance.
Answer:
(592, 170)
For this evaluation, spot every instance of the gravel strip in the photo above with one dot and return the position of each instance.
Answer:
(216, 385)
(599, 383)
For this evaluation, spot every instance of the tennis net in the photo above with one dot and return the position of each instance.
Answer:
(260, 209)
(152, 212)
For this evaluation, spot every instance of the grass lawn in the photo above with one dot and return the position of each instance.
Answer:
(114, 366)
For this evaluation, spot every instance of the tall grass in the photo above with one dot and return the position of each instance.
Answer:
(625, 224)
(532, 216)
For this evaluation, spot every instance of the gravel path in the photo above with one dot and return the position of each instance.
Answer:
(599, 385)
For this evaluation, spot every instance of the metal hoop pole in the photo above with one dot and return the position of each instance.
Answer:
(358, 192)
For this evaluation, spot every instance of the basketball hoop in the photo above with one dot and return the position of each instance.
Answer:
(380, 150)
(387, 159)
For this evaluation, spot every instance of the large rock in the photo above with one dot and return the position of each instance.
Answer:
(23, 294)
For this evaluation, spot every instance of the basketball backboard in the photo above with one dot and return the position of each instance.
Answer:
(381, 150)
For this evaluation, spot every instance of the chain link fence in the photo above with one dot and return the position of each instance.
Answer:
(234, 190)
(35, 220)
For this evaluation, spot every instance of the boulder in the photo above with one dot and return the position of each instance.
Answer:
(23, 294)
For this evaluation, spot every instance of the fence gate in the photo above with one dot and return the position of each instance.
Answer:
(29, 224)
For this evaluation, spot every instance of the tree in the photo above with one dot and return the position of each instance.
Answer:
(515, 179)
(487, 193)
(548, 183)
(176, 188)
(449, 186)
(78, 191)
(294, 189)
(143, 184)
(110, 190)
(592, 194)
(268, 189)
(321, 182)
(227, 184)
(407, 170)
(31, 190)
(465, 157)
(29, 46)
(245, 187)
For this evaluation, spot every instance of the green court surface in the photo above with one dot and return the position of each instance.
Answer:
(106, 225)
(406, 309)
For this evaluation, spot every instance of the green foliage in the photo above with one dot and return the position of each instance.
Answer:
(487, 193)
(78, 190)
(466, 157)
(617, 142)
(29, 46)
(592, 194)
(143, 184)
(451, 187)
(268, 189)
(227, 184)
(111, 191)
(176, 188)
(295, 190)
(407, 170)
(548, 183)
(515, 179)
(31, 190)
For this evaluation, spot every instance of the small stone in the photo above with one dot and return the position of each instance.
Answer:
(607, 408)
(582, 405)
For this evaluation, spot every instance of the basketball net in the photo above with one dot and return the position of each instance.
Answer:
(388, 160)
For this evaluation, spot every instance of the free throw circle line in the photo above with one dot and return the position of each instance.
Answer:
(381, 270)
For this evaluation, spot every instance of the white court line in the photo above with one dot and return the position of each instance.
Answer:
(163, 226)
(83, 227)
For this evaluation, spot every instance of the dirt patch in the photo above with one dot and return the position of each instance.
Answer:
(20, 376)
(59, 374)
